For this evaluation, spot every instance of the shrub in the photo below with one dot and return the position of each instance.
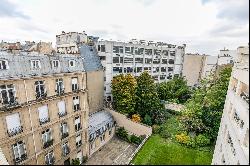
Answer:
(136, 118)
(202, 140)
(122, 133)
(156, 129)
(84, 159)
(182, 138)
(75, 161)
(135, 139)
(191, 143)
(147, 120)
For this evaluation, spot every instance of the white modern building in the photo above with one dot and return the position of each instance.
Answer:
(163, 61)
(232, 145)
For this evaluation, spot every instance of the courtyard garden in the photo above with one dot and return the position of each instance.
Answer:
(163, 149)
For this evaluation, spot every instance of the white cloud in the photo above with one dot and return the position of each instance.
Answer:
(202, 26)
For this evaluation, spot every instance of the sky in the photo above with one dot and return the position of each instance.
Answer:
(205, 26)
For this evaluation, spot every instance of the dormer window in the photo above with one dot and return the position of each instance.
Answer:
(72, 63)
(55, 64)
(35, 64)
(4, 65)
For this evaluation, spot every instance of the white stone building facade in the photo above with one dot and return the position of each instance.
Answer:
(163, 61)
(232, 145)
(226, 57)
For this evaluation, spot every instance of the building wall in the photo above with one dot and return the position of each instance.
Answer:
(28, 105)
(133, 127)
(210, 65)
(192, 68)
(135, 63)
(95, 86)
(232, 145)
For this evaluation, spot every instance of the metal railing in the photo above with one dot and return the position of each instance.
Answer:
(44, 120)
(48, 144)
(15, 131)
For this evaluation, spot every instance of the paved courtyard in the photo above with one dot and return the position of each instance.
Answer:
(115, 152)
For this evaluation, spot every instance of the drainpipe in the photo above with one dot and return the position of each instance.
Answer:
(32, 129)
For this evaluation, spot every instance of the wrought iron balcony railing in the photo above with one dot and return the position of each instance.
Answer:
(61, 114)
(48, 144)
(21, 158)
(15, 131)
(41, 95)
(51, 161)
(64, 135)
(44, 120)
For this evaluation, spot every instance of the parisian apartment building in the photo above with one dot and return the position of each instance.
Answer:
(205, 65)
(44, 108)
(232, 145)
(163, 61)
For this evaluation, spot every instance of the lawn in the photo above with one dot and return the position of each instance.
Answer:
(161, 151)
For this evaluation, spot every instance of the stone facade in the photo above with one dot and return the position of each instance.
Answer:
(44, 108)
(232, 145)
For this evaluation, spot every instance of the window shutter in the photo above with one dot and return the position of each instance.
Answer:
(43, 112)
(13, 121)
(74, 80)
(61, 106)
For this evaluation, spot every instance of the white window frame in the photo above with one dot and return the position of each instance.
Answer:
(16, 148)
(55, 64)
(74, 84)
(6, 64)
(65, 146)
(78, 141)
(76, 101)
(59, 82)
(7, 91)
(35, 64)
(49, 156)
(47, 135)
(64, 128)
(74, 63)
(11, 126)
(39, 85)
(77, 125)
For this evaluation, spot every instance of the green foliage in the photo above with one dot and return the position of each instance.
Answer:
(135, 139)
(175, 90)
(123, 91)
(156, 129)
(122, 133)
(147, 100)
(203, 111)
(147, 120)
(202, 140)
(182, 138)
(75, 161)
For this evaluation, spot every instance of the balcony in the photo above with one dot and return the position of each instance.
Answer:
(76, 107)
(9, 103)
(44, 120)
(48, 144)
(78, 128)
(64, 135)
(245, 97)
(20, 159)
(66, 151)
(41, 95)
(61, 114)
(15, 131)
(60, 91)
(51, 161)
(79, 144)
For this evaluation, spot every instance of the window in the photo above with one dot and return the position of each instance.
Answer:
(59, 86)
(172, 53)
(40, 89)
(35, 64)
(77, 123)
(65, 149)
(74, 84)
(138, 60)
(164, 61)
(103, 48)
(62, 108)
(4, 65)
(115, 59)
(55, 63)
(78, 140)
(49, 158)
(165, 52)
(64, 130)
(129, 50)
(148, 61)
(43, 114)
(157, 52)
(163, 69)
(117, 49)
(102, 138)
(72, 63)
(128, 60)
(47, 138)
(170, 69)
(171, 61)
(76, 103)
(117, 70)
(19, 151)
(8, 94)
(156, 61)
(13, 124)
(148, 51)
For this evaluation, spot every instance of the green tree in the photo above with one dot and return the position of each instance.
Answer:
(147, 100)
(75, 161)
(123, 91)
(174, 90)
(203, 111)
